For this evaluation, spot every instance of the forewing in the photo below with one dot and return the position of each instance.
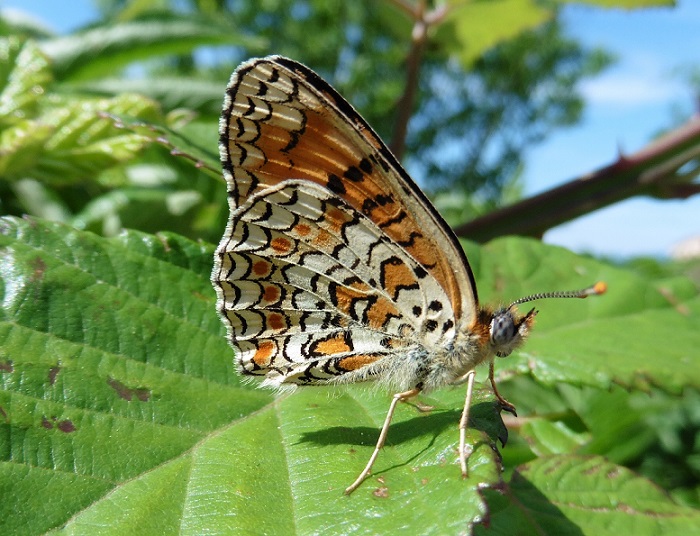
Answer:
(332, 259)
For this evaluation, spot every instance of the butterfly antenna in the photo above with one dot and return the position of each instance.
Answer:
(598, 288)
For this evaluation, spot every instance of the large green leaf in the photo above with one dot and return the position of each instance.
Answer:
(120, 409)
(643, 332)
(585, 495)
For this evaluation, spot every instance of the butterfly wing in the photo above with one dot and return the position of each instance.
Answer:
(333, 262)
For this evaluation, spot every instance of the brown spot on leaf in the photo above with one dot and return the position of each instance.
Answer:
(164, 242)
(53, 372)
(142, 394)
(38, 268)
(381, 492)
(6, 366)
(613, 473)
(592, 470)
(66, 426)
(127, 393)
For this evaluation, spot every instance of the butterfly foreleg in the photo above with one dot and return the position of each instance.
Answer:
(510, 408)
(398, 397)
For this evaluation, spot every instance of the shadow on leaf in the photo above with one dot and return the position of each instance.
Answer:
(484, 417)
(524, 509)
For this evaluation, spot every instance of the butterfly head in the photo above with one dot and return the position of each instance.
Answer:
(508, 328)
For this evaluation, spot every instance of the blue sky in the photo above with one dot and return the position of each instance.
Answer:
(626, 106)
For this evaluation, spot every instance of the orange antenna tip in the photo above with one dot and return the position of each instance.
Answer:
(600, 287)
(594, 290)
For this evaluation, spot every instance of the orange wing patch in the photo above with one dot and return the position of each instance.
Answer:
(356, 362)
(396, 275)
(281, 245)
(336, 344)
(263, 354)
(262, 268)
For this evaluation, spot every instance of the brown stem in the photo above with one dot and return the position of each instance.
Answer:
(651, 171)
(404, 106)
(422, 21)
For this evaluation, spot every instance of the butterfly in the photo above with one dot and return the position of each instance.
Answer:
(335, 267)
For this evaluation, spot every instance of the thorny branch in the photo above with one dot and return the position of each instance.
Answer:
(664, 169)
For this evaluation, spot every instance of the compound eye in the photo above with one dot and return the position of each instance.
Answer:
(502, 328)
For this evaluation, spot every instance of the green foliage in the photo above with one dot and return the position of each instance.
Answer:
(119, 396)
(361, 49)
(98, 51)
(82, 160)
(505, 114)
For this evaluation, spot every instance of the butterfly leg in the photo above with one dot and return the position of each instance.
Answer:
(463, 455)
(510, 408)
(423, 408)
(398, 397)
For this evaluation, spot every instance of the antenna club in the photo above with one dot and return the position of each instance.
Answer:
(594, 290)
(600, 287)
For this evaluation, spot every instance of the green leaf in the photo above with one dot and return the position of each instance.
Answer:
(21, 147)
(171, 92)
(580, 495)
(102, 49)
(68, 143)
(546, 437)
(18, 22)
(24, 75)
(59, 140)
(119, 396)
(639, 334)
(474, 27)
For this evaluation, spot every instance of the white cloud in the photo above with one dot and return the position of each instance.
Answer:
(631, 91)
